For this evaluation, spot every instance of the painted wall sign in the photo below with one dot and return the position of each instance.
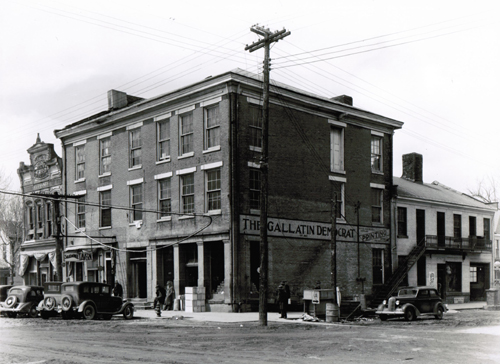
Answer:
(313, 230)
(78, 256)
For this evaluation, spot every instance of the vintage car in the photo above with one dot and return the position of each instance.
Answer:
(22, 300)
(50, 306)
(92, 300)
(4, 291)
(413, 302)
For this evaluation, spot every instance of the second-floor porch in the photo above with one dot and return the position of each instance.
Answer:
(450, 243)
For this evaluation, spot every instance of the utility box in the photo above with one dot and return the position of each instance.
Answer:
(492, 297)
(315, 301)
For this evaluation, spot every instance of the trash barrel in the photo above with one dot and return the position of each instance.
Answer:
(176, 304)
(332, 312)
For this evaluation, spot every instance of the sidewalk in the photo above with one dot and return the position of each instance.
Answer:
(234, 317)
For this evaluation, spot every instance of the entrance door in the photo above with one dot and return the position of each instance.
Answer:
(441, 280)
(479, 281)
(420, 226)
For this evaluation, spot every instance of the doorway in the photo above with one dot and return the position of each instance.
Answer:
(138, 284)
(479, 281)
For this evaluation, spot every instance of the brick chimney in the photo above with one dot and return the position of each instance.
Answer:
(116, 99)
(413, 167)
(345, 99)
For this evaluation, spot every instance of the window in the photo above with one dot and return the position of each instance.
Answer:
(80, 213)
(164, 198)
(473, 274)
(457, 227)
(402, 222)
(163, 140)
(212, 127)
(338, 192)
(378, 266)
(497, 250)
(105, 208)
(135, 144)
(186, 129)
(105, 155)
(49, 220)
(187, 193)
(376, 200)
(136, 202)
(337, 149)
(31, 216)
(254, 189)
(376, 154)
(454, 276)
(80, 162)
(486, 229)
(472, 226)
(255, 127)
(39, 215)
(213, 189)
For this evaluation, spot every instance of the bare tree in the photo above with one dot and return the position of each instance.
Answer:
(11, 228)
(486, 190)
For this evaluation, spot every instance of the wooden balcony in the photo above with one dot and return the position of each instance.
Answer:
(470, 244)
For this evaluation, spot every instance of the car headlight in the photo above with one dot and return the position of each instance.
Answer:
(397, 302)
(384, 302)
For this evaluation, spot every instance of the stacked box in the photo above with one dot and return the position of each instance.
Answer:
(194, 299)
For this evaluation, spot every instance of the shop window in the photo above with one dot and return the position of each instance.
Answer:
(454, 276)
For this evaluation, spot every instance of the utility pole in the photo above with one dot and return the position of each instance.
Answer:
(269, 37)
(333, 262)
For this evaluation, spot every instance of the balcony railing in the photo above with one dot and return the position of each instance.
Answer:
(473, 243)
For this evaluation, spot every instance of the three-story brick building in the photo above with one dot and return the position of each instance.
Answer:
(171, 187)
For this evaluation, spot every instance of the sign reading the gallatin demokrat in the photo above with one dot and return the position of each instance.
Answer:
(313, 230)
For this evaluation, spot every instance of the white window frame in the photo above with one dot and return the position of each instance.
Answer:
(337, 153)
(184, 195)
(187, 134)
(80, 152)
(377, 137)
(135, 148)
(342, 181)
(103, 207)
(80, 211)
(255, 129)
(164, 216)
(214, 191)
(381, 206)
(215, 128)
(163, 120)
(103, 157)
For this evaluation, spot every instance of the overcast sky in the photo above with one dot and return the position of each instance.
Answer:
(433, 65)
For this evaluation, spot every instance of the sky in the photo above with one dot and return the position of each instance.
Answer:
(433, 65)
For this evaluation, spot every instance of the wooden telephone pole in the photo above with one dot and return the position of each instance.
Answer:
(269, 37)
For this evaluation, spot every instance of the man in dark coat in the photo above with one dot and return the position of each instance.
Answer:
(283, 293)
(118, 290)
(159, 299)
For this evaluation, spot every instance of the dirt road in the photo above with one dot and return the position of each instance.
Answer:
(464, 337)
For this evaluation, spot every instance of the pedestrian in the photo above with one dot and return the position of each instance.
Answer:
(283, 294)
(159, 299)
(118, 290)
(169, 297)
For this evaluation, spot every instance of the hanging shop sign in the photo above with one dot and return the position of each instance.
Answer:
(313, 230)
(78, 256)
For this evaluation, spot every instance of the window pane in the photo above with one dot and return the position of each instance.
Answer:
(213, 190)
(376, 153)
(187, 192)
(254, 189)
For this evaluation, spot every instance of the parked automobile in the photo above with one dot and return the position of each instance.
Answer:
(4, 290)
(22, 301)
(413, 302)
(50, 306)
(91, 300)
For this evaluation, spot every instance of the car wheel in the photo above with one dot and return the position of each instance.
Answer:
(45, 315)
(10, 301)
(89, 312)
(383, 317)
(439, 314)
(128, 313)
(410, 314)
(106, 317)
(33, 313)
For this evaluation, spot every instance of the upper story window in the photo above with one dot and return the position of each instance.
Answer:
(254, 188)
(80, 213)
(376, 201)
(164, 198)
(49, 221)
(163, 140)
(135, 148)
(187, 193)
(80, 162)
(497, 249)
(105, 155)
(376, 153)
(39, 215)
(136, 202)
(457, 226)
(255, 128)
(338, 186)
(212, 127)
(186, 133)
(337, 146)
(213, 189)
(31, 215)
(486, 228)
(105, 208)
(472, 226)
(402, 222)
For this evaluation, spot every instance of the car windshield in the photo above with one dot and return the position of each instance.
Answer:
(407, 292)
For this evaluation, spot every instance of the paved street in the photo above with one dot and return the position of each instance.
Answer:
(468, 336)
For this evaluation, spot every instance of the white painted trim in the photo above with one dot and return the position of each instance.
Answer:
(377, 133)
(253, 165)
(211, 165)
(104, 188)
(337, 123)
(377, 185)
(80, 193)
(105, 135)
(211, 101)
(212, 149)
(186, 155)
(337, 179)
(163, 116)
(185, 171)
(135, 181)
(163, 175)
(186, 109)
(251, 100)
(135, 126)
(255, 149)
(81, 142)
